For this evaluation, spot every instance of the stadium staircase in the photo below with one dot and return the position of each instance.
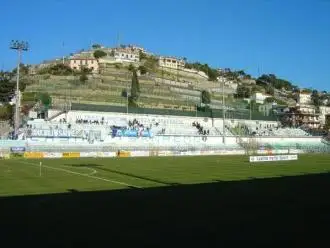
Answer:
(56, 115)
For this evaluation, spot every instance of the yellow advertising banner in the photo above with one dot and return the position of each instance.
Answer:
(124, 154)
(33, 155)
(71, 154)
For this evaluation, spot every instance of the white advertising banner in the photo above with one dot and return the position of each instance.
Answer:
(52, 154)
(165, 153)
(295, 151)
(88, 154)
(273, 158)
(140, 153)
(108, 154)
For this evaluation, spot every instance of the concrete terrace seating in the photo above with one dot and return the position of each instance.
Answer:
(159, 124)
(48, 129)
(292, 132)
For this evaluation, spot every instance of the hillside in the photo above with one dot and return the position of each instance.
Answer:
(159, 88)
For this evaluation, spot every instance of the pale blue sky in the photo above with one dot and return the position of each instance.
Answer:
(289, 38)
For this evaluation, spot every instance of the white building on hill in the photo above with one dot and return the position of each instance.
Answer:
(127, 55)
(304, 98)
(259, 97)
(171, 62)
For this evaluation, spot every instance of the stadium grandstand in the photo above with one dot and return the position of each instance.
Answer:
(78, 130)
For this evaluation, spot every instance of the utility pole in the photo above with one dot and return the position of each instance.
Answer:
(20, 46)
(127, 95)
(223, 113)
(63, 52)
(250, 103)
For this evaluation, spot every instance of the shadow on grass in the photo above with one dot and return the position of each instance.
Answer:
(100, 167)
(289, 211)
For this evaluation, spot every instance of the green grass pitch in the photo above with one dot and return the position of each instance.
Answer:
(211, 201)
(22, 177)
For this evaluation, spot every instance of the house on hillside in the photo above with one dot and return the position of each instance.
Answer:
(89, 63)
(324, 111)
(127, 54)
(298, 116)
(137, 48)
(171, 62)
(259, 97)
(304, 98)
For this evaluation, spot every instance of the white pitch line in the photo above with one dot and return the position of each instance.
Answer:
(85, 175)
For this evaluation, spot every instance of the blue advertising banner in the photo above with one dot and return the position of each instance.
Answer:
(20, 149)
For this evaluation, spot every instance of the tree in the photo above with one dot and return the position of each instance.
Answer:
(131, 67)
(206, 97)
(45, 99)
(212, 73)
(241, 73)
(243, 91)
(23, 69)
(6, 112)
(135, 88)
(275, 82)
(96, 46)
(86, 70)
(143, 70)
(57, 69)
(25, 109)
(270, 100)
(7, 87)
(270, 90)
(142, 55)
(99, 54)
(83, 77)
(112, 53)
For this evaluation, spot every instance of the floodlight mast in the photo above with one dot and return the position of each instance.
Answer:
(20, 46)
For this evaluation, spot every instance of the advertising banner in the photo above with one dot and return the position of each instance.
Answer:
(109, 154)
(33, 155)
(52, 155)
(88, 154)
(295, 151)
(17, 149)
(153, 153)
(273, 158)
(140, 153)
(4, 155)
(165, 153)
(124, 154)
(71, 154)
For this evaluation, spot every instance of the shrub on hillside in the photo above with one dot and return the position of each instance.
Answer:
(99, 54)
